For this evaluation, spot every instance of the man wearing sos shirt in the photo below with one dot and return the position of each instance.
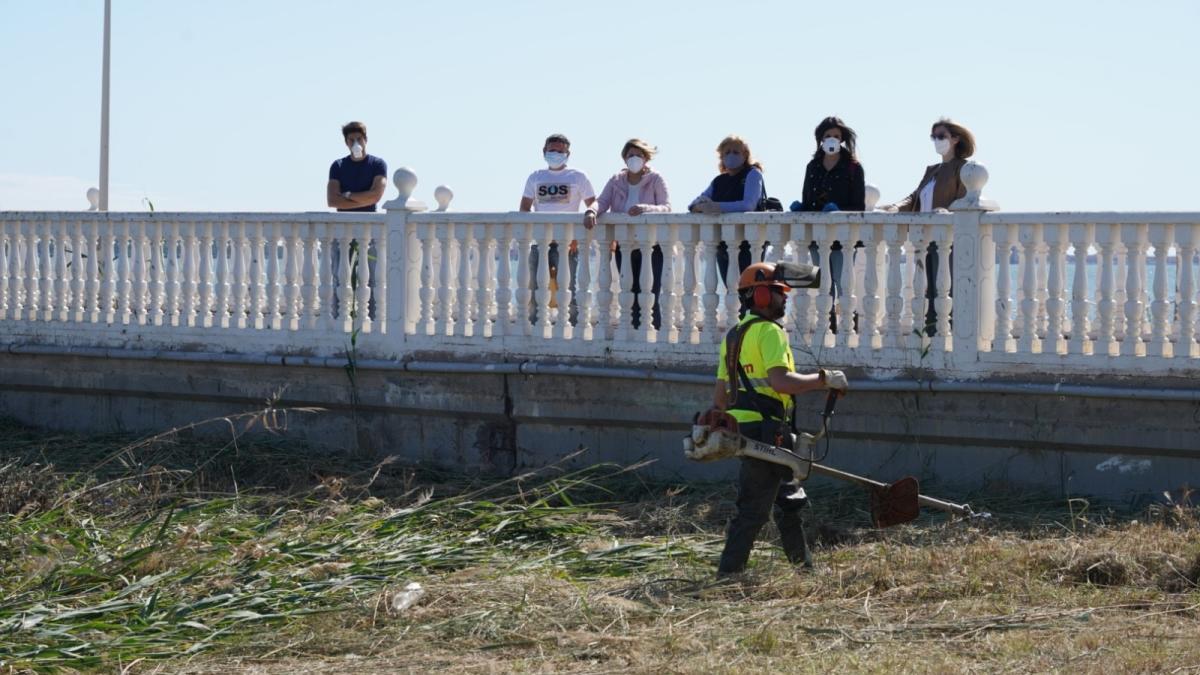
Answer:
(557, 190)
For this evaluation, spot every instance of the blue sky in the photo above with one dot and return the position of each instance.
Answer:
(231, 106)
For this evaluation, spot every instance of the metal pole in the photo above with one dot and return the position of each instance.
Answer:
(103, 206)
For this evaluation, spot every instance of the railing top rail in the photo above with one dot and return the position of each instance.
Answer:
(192, 216)
(749, 218)
(1094, 217)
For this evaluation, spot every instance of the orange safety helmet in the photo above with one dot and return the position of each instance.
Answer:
(761, 277)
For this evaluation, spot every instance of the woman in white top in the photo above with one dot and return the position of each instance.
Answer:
(635, 190)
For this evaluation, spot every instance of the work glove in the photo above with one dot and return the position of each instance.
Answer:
(834, 379)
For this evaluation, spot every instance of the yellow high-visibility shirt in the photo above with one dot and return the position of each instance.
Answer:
(765, 346)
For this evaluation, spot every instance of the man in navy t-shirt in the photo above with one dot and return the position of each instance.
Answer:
(356, 182)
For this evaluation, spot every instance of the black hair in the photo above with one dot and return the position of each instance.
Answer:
(848, 136)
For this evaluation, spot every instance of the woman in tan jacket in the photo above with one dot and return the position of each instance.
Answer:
(940, 185)
(938, 189)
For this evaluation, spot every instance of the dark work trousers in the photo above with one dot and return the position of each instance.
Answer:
(761, 486)
(656, 265)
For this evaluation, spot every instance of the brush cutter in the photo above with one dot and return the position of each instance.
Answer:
(715, 436)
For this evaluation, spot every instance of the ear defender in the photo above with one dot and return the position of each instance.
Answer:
(762, 296)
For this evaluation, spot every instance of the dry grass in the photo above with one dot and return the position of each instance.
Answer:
(562, 572)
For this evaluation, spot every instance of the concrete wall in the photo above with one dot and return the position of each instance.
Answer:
(498, 423)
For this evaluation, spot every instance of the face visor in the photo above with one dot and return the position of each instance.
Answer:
(797, 275)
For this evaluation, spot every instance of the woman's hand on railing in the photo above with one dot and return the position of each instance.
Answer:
(589, 218)
(888, 208)
(636, 210)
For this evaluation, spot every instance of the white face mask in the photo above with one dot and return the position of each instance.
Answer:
(831, 145)
(941, 146)
(356, 150)
(556, 160)
(635, 164)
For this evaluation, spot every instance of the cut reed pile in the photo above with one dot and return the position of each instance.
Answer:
(179, 554)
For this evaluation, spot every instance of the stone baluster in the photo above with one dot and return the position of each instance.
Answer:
(91, 247)
(1161, 237)
(847, 301)
(258, 273)
(919, 337)
(1107, 237)
(823, 335)
(525, 297)
(310, 288)
(45, 271)
(46, 262)
(800, 305)
(710, 299)
(504, 291)
(121, 276)
(108, 258)
(1135, 238)
(869, 319)
(733, 236)
(1031, 238)
(465, 302)
(221, 276)
(429, 277)
(241, 298)
(564, 234)
(1003, 340)
(366, 281)
(624, 315)
(87, 284)
(485, 284)
(1042, 288)
(603, 321)
(204, 275)
(545, 236)
(137, 298)
(6, 248)
(348, 252)
(545, 328)
(17, 288)
(1188, 238)
(583, 322)
(672, 278)
(943, 304)
(273, 308)
(1082, 235)
(1120, 270)
(79, 260)
(187, 309)
(152, 257)
(895, 237)
(647, 236)
(1055, 343)
(293, 272)
(62, 271)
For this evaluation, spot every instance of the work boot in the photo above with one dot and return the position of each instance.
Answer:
(795, 543)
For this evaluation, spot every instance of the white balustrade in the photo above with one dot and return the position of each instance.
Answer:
(1089, 293)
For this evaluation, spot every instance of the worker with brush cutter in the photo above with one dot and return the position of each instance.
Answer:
(756, 383)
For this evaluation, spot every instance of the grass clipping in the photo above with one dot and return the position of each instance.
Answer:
(178, 554)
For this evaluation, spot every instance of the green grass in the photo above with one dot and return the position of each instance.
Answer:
(183, 554)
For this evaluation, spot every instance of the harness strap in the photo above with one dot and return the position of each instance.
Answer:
(765, 405)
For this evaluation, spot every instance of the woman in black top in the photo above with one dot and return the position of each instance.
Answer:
(833, 181)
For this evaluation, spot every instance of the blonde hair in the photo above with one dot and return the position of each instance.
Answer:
(638, 143)
(737, 143)
(966, 140)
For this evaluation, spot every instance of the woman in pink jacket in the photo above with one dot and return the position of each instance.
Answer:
(635, 190)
